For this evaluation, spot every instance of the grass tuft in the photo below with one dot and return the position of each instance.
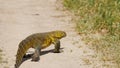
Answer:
(0, 56)
(98, 21)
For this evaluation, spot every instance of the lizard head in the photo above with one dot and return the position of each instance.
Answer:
(59, 34)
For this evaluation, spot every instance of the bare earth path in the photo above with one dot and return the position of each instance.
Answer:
(20, 18)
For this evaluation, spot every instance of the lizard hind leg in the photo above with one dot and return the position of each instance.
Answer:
(36, 55)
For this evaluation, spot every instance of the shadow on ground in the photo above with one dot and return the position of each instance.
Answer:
(29, 56)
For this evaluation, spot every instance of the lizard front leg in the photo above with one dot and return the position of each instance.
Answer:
(57, 46)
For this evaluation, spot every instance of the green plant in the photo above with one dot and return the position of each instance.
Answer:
(99, 22)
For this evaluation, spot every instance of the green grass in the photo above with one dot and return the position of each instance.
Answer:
(98, 21)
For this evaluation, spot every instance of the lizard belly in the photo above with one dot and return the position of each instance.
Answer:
(45, 46)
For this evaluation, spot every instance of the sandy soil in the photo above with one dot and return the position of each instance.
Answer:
(20, 18)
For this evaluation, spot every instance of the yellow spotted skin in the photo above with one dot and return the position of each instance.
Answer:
(38, 41)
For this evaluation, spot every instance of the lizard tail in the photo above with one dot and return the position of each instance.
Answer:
(23, 47)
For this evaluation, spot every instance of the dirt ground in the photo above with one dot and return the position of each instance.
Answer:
(21, 18)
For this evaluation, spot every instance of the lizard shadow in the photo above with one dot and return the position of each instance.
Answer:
(29, 56)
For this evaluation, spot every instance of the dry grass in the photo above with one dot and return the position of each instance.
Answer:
(0, 56)
(98, 22)
(3, 62)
